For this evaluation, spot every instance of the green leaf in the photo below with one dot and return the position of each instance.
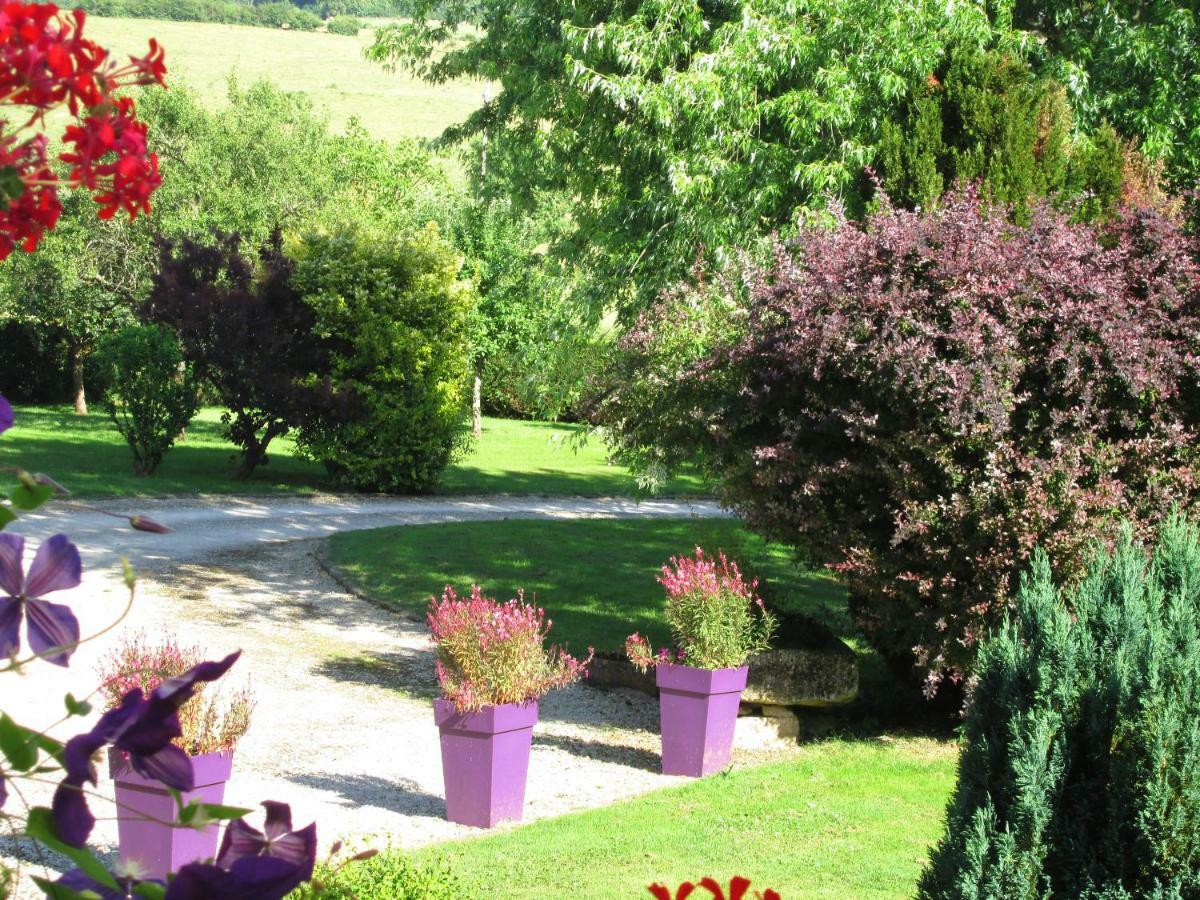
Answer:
(16, 746)
(6, 516)
(150, 890)
(77, 707)
(40, 826)
(57, 892)
(201, 815)
(25, 497)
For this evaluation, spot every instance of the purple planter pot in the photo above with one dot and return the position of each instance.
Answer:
(698, 710)
(156, 848)
(485, 761)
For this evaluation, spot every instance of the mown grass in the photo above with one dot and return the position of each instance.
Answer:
(520, 457)
(329, 68)
(88, 455)
(847, 819)
(595, 577)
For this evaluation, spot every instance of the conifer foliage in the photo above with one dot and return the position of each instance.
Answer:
(1080, 775)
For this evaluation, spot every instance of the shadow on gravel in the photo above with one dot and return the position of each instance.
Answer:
(398, 796)
(299, 592)
(618, 754)
(409, 672)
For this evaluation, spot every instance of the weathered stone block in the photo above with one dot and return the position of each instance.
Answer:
(766, 732)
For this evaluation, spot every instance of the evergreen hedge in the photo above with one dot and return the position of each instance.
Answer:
(1081, 771)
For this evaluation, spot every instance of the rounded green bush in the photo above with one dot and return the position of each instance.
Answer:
(346, 25)
(152, 394)
(396, 312)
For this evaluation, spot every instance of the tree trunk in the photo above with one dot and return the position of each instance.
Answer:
(477, 406)
(254, 454)
(77, 381)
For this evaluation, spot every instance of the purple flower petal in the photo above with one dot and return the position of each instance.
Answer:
(279, 819)
(12, 577)
(298, 848)
(239, 841)
(178, 691)
(6, 415)
(200, 881)
(10, 626)
(56, 567)
(72, 819)
(52, 626)
(170, 765)
(268, 877)
(78, 755)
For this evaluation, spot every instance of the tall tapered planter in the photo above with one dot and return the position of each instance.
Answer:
(144, 805)
(698, 711)
(485, 761)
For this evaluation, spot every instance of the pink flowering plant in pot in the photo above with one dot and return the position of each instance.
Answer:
(212, 722)
(718, 621)
(493, 666)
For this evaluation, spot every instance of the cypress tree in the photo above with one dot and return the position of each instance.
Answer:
(1080, 774)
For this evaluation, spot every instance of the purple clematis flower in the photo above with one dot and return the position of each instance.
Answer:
(253, 864)
(52, 627)
(6, 415)
(142, 727)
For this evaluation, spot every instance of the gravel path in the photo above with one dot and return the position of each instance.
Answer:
(343, 730)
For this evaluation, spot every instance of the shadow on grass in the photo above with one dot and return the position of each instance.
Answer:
(394, 795)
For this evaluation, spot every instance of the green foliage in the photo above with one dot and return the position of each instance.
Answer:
(984, 116)
(391, 875)
(532, 356)
(269, 15)
(152, 395)
(1130, 63)
(345, 25)
(678, 127)
(397, 312)
(1081, 771)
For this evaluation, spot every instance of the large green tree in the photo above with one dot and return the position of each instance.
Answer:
(681, 126)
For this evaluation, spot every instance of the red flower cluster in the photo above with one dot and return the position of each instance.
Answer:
(737, 890)
(46, 63)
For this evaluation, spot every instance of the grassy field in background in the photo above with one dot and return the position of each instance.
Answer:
(329, 68)
(595, 577)
(848, 819)
(88, 455)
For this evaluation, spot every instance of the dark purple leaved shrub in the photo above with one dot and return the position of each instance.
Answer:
(920, 401)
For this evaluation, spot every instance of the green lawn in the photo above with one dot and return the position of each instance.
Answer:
(847, 819)
(90, 457)
(517, 457)
(329, 68)
(595, 577)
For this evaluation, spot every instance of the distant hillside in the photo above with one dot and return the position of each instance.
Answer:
(328, 67)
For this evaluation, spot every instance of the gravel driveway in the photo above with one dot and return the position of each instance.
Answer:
(343, 730)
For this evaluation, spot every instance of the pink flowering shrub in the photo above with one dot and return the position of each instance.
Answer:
(920, 400)
(211, 721)
(492, 653)
(716, 617)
